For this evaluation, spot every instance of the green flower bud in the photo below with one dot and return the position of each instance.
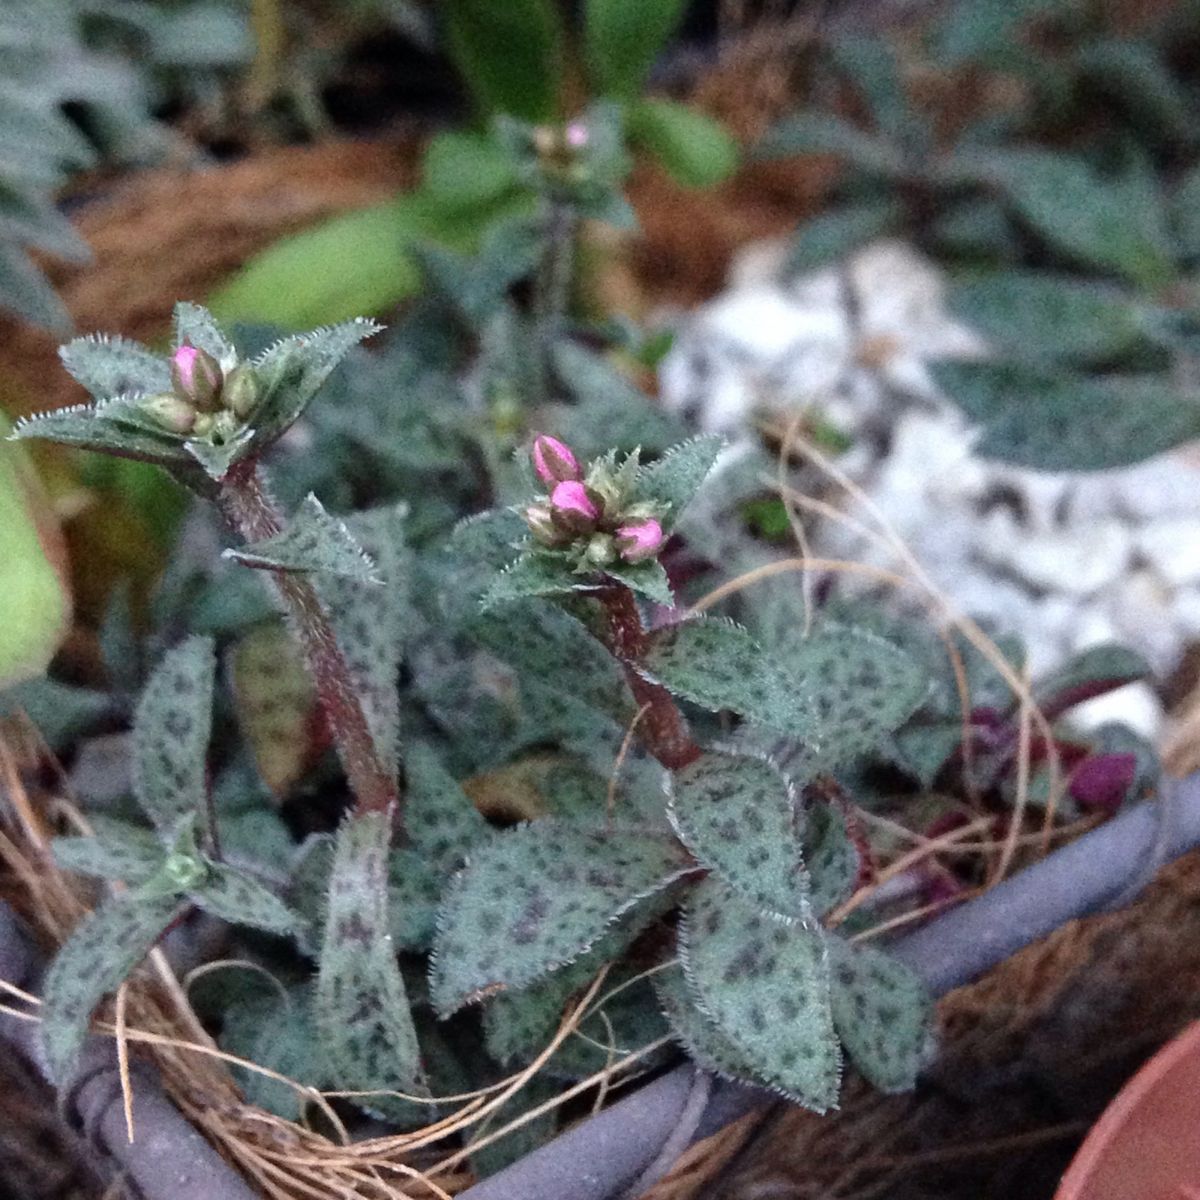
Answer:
(183, 870)
(196, 377)
(601, 550)
(167, 410)
(203, 426)
(240, 394)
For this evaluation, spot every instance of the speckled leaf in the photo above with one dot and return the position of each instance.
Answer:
(276, 705)
(470, 557)
(83, 427)
(121, 852)
(831, 858)
(312, 541)
(699, 1035)
(738, 816)
(308, 889)
(373, 622)
(441, 821)
(196, 325)
(170, 735)
(534, 574)
(292, 371)
(719, 665)
(649, 578)
(676, 477)
(361, 1005)
(766, 986)
(858, 686)
(536, 898)
(883, 1013)
(218, 457)
(414, 890)
(275, 1031)
(108, 366)
(101, 951)
(539, 639)
(236, 897)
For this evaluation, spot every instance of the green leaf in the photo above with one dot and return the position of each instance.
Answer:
(831, 236)
(414, 892)
(274, 1030)
(674, 479)
(766, 987)
(510, 54)
(872, 65)
(1076, 211)
(859, 687)
(170, 736)
(623, 38)
(1032, 418)
(537, 897)
(218, 457)
(373, 622)
(1185, 214)
(706, 1045)
(830, 856)
(1135, 74)
(111, 366)
(535, 574)
(119, 852)
(37, 600)
(87, 429)
(95, 960)
(361, 1006)
(61, 713)
(739, 817)
(312, 541)
(648, 578)
(439, 817)
(291, 372)
(1051, 318)
(696, 151)
(824, 133)
(195, 325)
(464, 169)
(720, 665)
(883, 1014)
(1090, 673)
(238, 898)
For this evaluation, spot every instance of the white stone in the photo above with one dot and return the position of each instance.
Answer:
(1093, 627)
(758, 263)
(1079, 561)
(1141, 606)
(1134, 705)
(1172, 547)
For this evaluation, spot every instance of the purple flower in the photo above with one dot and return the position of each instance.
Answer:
(196, 376)
(1102, 782)
(574, 507)
(577, 135)
(639, 540)
(553, 460)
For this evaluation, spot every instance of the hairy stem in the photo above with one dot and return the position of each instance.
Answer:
(663, 729)
(248, 508)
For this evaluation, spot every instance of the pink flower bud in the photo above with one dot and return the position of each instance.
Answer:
(574, 507)
(576, 135)
(553, 460)
(541, 524)
(196, 376)
(639, 540)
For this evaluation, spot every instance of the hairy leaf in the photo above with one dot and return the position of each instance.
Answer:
(766, 986)
(312, 541)
(831, 858)
(238, 898)
(85, 428)
(738, 816)
(883, 1013)
(111, 366)
(195, 325)
(101, 951)
(537, 897)
(1032, 418)
(414, 890)
(292, 371)
(833, 235)
(824, 133)
(675, 478)
(649, 578)
(534, 575)
(439, 817)
(707, 1046)
(170, 735)
(361, 1005)
(217, 458)
(119, 852)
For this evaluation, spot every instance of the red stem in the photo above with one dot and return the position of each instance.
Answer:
(663, 729)
(249, 509)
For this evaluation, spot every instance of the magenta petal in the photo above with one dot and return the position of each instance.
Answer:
(1102, 782)
(571, 496)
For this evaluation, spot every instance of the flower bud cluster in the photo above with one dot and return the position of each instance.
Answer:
(205, 400)
(589, 513)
